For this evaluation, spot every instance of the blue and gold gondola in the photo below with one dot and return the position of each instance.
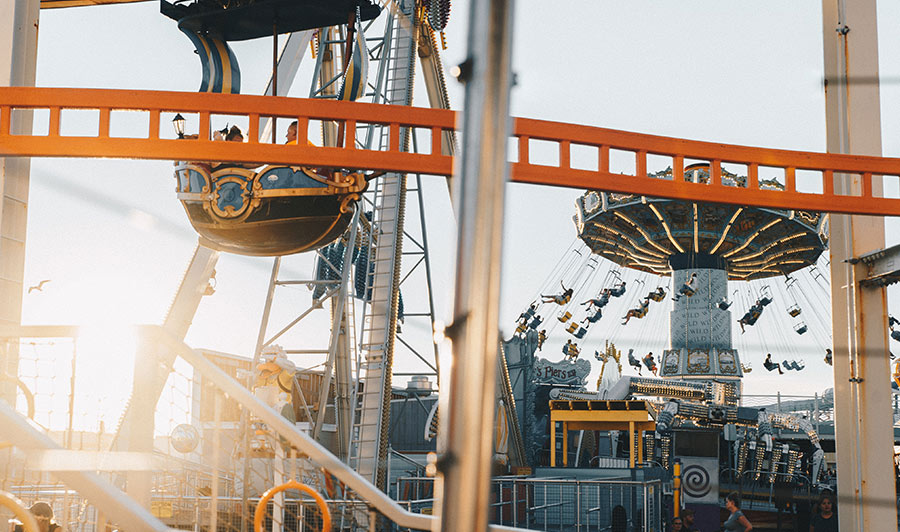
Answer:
(266, 211)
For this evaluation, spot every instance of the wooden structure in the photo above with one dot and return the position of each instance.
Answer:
(633, 416)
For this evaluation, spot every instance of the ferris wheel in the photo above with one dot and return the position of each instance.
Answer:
(354, 222)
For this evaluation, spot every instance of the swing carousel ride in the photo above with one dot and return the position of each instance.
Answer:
(640, 265)
(627, 245)
(340, 431)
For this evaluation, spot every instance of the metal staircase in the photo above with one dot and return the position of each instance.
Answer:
(369, 444)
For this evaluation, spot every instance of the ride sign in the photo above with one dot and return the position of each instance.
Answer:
(562, 372)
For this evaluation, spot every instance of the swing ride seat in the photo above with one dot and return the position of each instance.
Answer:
(656, 296)
(273, 210)
(765, 300)
(636, 313)
(564, 317)
(595, 317)
(581, 332)
(240, 20)
(895, 335)
(801, 328)
(750, 318)
(794, 311)
(535, 322)
(724, 305)
(687, 291)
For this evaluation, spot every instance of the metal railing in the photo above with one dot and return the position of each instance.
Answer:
(200, 484)
(754, 491)
(557, 503)
(819, 408)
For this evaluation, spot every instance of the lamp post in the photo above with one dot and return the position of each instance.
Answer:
(178, 123)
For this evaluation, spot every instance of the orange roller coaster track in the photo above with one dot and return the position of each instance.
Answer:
(827, 171)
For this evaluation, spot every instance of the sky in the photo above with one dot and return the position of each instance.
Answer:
(114, 241)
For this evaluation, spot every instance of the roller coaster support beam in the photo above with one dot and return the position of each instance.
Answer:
(102, 495)
(861, 393)
(18, 36)
(465, 468)
(135, 431)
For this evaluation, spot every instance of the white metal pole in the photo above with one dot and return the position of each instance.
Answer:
(18, 36)
(864, 437)
(465, 467)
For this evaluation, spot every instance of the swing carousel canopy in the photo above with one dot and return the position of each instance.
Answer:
(659, 235)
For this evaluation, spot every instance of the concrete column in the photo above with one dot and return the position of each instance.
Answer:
(18, 36)
(866, 495)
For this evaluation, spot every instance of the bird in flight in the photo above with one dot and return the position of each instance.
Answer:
(39, 286)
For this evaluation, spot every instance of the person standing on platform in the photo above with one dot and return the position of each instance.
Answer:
(687, 516)
(736, 522)
(825, 519)
(43, 514)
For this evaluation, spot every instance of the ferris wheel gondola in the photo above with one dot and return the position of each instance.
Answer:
(268, 210)
(275, 210)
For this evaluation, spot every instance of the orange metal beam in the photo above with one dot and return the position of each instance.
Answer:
(151, 146)
(831, 167)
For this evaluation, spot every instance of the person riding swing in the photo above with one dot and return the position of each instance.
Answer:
(650, 363)
(638, 312)
(559, 299)
(895, 333)
(687, 289)
(618, 290)
(570, 349)
(595, 317)
(751, 315)
(771, 366)
(542, 337)
(634, 362)
(658, 295)
(526, 316)
(601, 301)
